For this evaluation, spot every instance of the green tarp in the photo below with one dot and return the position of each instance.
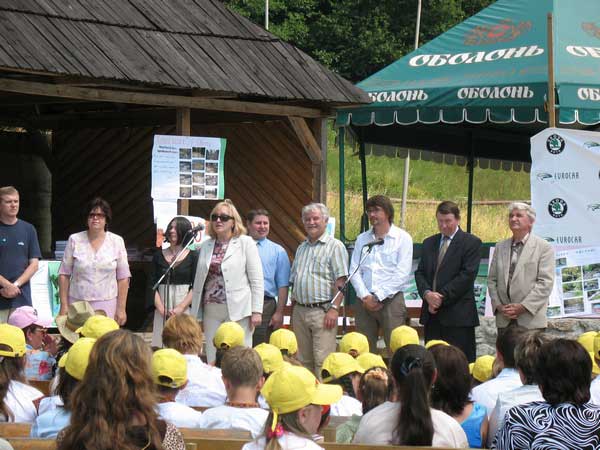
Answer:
(493, 68)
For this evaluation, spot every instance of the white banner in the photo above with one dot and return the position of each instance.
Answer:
(565, 186)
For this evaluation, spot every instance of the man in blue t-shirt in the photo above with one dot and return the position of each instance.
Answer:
(19, 254)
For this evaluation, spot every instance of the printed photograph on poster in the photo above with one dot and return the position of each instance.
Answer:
(188, 167)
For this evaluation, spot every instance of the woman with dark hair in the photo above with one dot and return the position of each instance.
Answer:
(180, 281)
(94, 267)
(410, 420)
(565, 419)
(114, 406)
(451, 393)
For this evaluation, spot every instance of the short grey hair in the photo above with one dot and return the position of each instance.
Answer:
(316, 207)
(522, 207)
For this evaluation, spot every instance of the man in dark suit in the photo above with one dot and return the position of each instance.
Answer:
(445, 278)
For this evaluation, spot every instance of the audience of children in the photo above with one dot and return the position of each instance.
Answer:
(170, 372)
(242, 371)
(41, 348)
(344, 370)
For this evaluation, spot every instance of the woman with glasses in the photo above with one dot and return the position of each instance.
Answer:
(94, 267)
(174, 293)
(229, 278)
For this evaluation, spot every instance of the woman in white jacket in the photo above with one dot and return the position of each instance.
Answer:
(229, 277)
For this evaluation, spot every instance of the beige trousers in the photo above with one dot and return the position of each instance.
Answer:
(392, 315)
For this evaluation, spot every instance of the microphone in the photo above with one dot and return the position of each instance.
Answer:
(197, 228)
(373, 243)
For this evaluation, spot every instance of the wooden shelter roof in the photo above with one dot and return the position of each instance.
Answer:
(184, 47)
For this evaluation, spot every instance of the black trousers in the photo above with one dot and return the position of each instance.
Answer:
(461, 337)
(262, 332)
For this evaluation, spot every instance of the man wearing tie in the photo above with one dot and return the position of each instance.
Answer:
(445, 278)
(521, 274)
(384, 274)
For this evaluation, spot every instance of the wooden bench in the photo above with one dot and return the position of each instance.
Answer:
(329, 431)
(9, 430)
(201, 433)
(22, 443)
(43, 386)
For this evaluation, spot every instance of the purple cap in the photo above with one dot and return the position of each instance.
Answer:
(24, 316)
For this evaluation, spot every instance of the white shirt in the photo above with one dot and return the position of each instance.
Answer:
(181, 416)
(347, 406)
(19, 399)
(526, 393)
(487, 393)
(49, 404)
(288, 441)
(226, 417)
(205, 386)
(378, 426)
(387, 269)
(595, 391)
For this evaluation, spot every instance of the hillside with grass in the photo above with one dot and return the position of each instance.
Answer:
(430, 183)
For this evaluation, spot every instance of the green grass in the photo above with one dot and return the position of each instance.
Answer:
(428, 181)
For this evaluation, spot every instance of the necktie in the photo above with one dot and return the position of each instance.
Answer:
(515, 252)
(441, 254)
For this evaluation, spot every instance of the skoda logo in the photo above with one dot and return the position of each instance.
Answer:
(557, 208)
(555, 144)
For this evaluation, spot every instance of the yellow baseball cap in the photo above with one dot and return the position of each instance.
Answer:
(401, 336)
(482, 368)
(169, 363)
(354, 341)
(230, 334)
(97, 326)
(293, 387)
(587, 340)
(284, 339)
(14, 338)
(369, 360)
(339, 364)
(270, 356)
(596, 348)
(433, 342)
(76, 360)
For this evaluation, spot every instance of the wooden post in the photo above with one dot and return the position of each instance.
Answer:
(319, 129)
(551, 104)
(183, 128)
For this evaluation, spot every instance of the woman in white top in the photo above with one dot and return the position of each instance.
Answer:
(229, 284)
(411, 421)
(16, 398)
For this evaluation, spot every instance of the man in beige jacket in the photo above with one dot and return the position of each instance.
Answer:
(521, 274)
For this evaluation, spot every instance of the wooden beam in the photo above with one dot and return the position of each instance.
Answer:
(183, 128)
(138, 98)
(319, 127)
(306, 138)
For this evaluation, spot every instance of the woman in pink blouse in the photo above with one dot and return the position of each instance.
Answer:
(94, 267)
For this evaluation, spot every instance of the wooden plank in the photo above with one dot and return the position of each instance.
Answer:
(306, 138)
(183, 127)
(8, 429)
(32, 444)
(34, 88)
(319, 128)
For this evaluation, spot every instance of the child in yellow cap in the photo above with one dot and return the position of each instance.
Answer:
(345, 371)
(243, 377)
(228, 335)
(482, 369)
(284, 340)
(369, 360)
(17, 398)
(401, 336)
(354, 344)
(296, 399)
(97, 326)
(72, 366)
(169, 370)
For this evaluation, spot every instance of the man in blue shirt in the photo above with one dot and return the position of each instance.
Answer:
(19, 254)
(276, 269)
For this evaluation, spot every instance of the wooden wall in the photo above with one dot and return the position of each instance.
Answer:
(265, 167)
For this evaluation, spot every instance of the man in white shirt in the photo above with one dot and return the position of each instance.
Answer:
(508, 379)
(383, 275)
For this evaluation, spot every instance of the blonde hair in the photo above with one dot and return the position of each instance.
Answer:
(290, 422)
(182, 332)
(8, 190)
(238, 224)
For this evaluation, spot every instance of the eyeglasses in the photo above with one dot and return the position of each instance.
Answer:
(221, 217)
(96, 216)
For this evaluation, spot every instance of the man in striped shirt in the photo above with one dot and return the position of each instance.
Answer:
(320, 268)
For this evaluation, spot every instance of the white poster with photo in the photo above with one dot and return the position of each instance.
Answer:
(40, 292)
(565, 186)
(188, 167)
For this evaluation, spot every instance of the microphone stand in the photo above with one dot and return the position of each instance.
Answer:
(342, 289)
(167, 274)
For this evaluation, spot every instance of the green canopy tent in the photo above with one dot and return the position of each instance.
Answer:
(480, 89)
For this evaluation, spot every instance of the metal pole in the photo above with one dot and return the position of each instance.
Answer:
(342, 159)
(364, 223)
(266, 14)
(471, 168)
(407, 160)
(551, 93)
